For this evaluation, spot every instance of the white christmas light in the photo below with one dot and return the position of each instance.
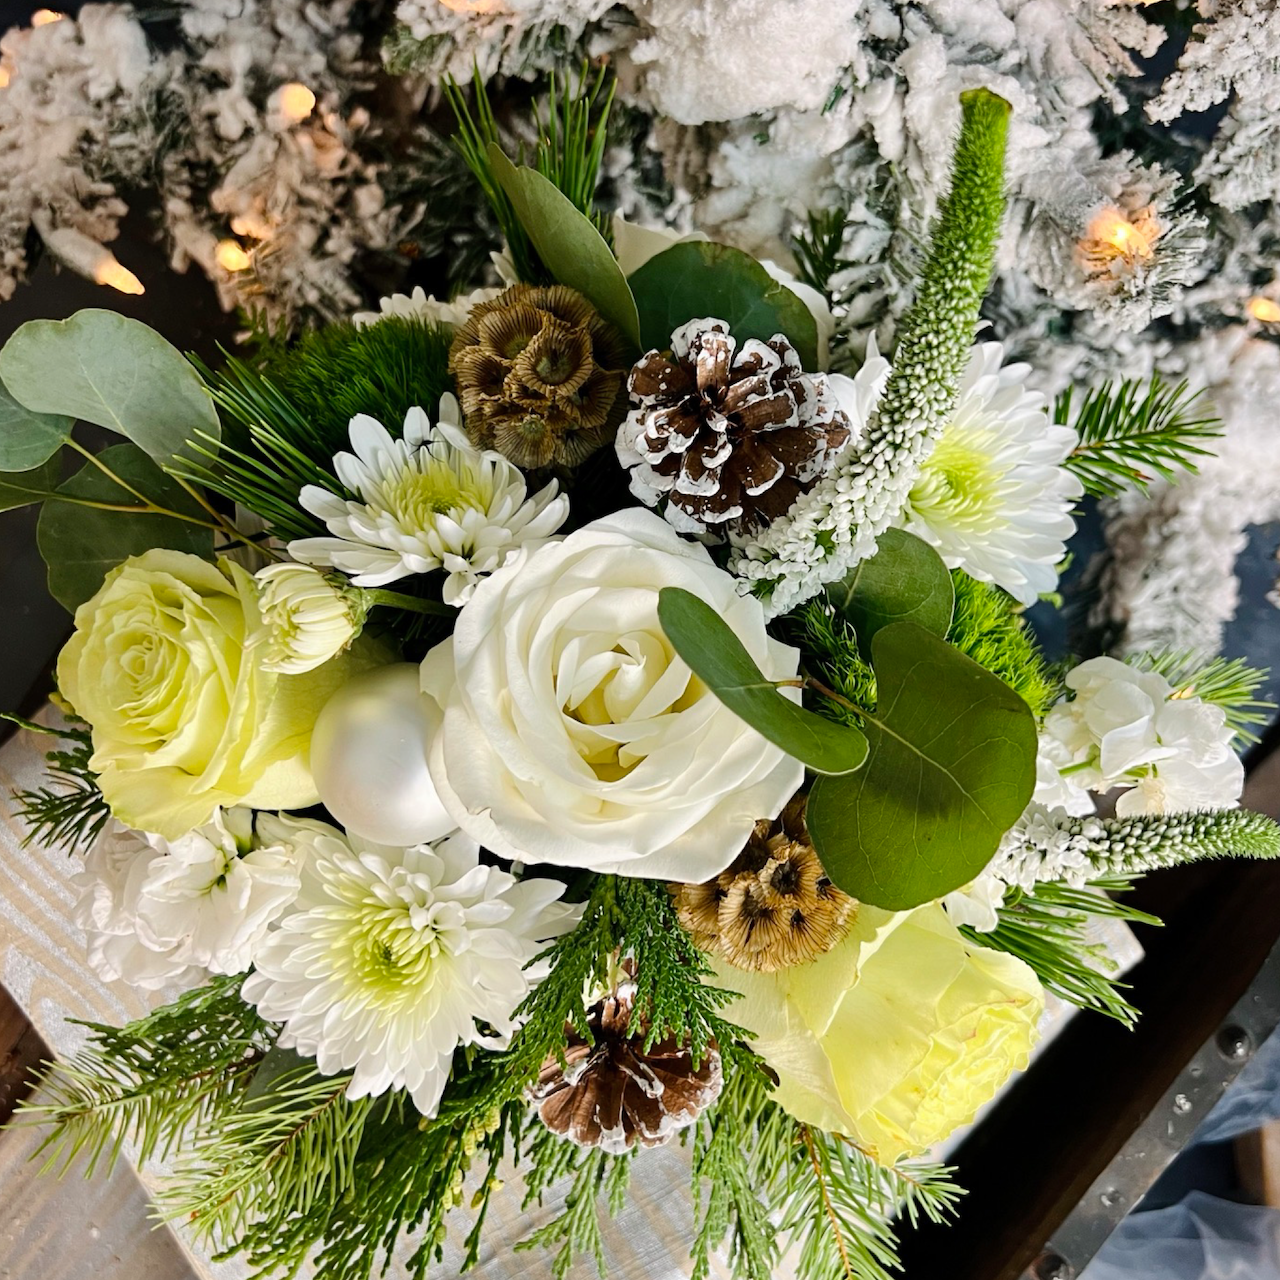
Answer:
(43, 17)
(1265, 309)
(296, 102)
(231, 256)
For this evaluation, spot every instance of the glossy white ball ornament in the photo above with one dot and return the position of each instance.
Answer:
(369, 758)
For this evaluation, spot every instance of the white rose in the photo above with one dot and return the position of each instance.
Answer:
(635, 245)
(573, 734)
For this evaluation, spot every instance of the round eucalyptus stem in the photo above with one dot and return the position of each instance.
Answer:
(398, 600)
(148, 507)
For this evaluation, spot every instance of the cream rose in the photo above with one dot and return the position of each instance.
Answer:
(166, 665)
(897, 1035)
(573, 734)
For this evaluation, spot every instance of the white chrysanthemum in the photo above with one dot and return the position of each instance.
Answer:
(428, 501)
(159, 911)
(420, 305)
(993, 497)
(307, 621)
(392, 958)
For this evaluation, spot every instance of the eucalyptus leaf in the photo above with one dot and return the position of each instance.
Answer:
(569, 245)
(25, 487)
(951, 768)
(81, 544)
(700, 278)
(905, 581)
(28, 439)
(114, 371)
(717, 657)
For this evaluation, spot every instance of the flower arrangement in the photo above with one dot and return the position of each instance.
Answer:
(574, 719)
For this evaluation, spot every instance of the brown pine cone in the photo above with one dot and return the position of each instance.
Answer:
(729, 437)
(774, 907)
(614, 1093)
(539, 375)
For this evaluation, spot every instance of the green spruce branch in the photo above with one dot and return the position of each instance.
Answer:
(72, 810)
(1130, 433)
(148, 1082)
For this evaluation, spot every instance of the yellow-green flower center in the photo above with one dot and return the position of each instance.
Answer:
(415, 496)
(959, 482)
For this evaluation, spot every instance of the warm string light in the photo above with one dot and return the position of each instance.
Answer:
(115, 276)
(1131, 240)
(472, 6)
(295, 102)
(1266, 310)
(231, 256)
(4, 77)
(42, 17)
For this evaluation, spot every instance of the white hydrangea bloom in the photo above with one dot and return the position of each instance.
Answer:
(1130, 728)
(419, 305)
(428, 501)
(160, 911)
(993, 496)
(307, 621)
(391, 958)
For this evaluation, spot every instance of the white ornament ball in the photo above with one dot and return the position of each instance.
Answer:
(369, 758)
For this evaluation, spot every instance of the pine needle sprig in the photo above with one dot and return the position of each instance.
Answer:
(72, 811)
(818, 248)
(1130, 433)
(280, 1152)
(147, 1082)
(571, 141)
(476, 130)
(1229, 683)
(1048, 930)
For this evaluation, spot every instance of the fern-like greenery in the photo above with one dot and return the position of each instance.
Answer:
(1047, 929)
(1229, 683)
(71, 811)
(1131, 432)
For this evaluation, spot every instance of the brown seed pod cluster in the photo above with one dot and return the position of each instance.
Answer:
(774, 907)
(540, 376)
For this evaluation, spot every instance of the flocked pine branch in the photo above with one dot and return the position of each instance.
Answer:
(1229, 683)
(1131, 433)
(1052, 845)
(837, 523)
(71, 811)
(819, 248)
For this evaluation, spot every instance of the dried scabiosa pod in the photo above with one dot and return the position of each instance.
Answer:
(774, 906)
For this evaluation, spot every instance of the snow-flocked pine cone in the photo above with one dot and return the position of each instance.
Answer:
(539, 375)
(614, 1093)
(730, 436)
(774, 907)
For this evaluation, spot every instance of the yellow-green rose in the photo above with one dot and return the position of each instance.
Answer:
(897, 1035)
(165, 665)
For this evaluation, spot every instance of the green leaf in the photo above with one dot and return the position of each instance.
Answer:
(700, 278)
(18, 490)
(28, 439)
(571, 248)
(717, 657)
(952, 766)
(905, 581)
(81, 544)
(111, 370)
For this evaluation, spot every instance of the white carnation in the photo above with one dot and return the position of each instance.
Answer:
(160, 911)
(572, 732)
(428, 501)
(390, 959)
